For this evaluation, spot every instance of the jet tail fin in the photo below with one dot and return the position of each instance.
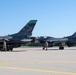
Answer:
(74, 34)
(27, 29)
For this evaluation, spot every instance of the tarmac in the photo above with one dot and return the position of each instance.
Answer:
(35, 61)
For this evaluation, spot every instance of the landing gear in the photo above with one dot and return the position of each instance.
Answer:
(7, 47)
(11, 49)
(61, 47)
(43, 48)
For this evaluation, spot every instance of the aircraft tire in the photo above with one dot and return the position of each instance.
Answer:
(11, 49)
(61, 47)
(43, 48)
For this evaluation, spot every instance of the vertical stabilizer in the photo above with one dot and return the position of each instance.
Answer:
(27, 29)
(74, 34)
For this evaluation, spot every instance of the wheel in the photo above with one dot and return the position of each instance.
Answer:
(43, 48)
(11, 49)
(61, 47)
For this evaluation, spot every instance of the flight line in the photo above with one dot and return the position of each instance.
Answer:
(24, 36)
(34, 61)
(37, 70)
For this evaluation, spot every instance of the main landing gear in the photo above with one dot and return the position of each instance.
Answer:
(45, 48)
(6, 47)
(61, 47)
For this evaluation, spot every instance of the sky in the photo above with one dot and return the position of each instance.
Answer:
(56, 18)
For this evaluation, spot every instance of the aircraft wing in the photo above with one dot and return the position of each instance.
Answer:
(57, 40)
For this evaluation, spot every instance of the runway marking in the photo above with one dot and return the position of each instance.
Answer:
(63, 62)
(37, 70)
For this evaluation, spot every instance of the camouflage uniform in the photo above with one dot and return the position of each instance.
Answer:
(45, 45)
(4, 45)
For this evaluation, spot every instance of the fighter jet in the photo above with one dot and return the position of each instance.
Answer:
(24, 36)
(61, 42)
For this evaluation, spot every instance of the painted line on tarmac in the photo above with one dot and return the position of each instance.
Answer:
(37, 70)
(63, 62)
